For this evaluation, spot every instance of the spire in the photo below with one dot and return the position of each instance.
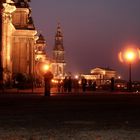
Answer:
(58, 50)
(59, 31)
(59, 39)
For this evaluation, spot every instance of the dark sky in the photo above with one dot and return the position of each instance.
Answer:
(94, 31)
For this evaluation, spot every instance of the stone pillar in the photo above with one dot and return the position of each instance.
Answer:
(8, 28)
(1, 66)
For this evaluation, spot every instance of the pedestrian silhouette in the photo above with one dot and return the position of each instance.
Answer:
(65, 84)
(112, 84)
(47, 79)
(94, 85)
(69, 84)
(84, 84)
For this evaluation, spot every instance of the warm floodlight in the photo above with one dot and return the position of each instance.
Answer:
(130, 56)
(46, 67)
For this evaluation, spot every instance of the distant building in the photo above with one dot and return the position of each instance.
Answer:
(101, 75)
(58, 62)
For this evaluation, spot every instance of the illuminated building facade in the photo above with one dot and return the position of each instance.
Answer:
(101, 75)
(40, 53)
(23, 51)
(58, 64)
(19, 36)
(1, 66)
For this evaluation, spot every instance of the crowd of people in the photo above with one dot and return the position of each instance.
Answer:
(69, 84)
(74, 85)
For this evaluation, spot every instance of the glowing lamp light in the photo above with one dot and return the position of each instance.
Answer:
(46, 67)
(119, 77)
(41, 68)
(76, 76)
(130, 56)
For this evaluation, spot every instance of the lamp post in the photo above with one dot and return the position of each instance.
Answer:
(130, 57)
(130, 81)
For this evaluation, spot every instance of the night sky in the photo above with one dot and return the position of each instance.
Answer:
(95, 31)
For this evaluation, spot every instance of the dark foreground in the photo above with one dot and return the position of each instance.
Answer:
(75, 117)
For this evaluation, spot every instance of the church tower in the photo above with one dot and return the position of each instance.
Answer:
(58, 65)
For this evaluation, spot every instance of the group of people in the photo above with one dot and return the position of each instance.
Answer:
(69, 85)
(91, 85)
(65, 85)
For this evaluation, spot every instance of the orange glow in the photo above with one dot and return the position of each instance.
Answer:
(76, 76)
(54, 81)
(120, 57)
(46, 67)
(119, 77)
(129, 55)
(138, 53)
(42, 68)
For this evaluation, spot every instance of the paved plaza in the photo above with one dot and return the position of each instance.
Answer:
(76, 116)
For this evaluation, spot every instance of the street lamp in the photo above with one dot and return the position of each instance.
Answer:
(46, 67)
(129, 55)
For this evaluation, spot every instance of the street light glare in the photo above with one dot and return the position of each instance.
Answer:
(130, 56)
(46, 67)
(76, 76)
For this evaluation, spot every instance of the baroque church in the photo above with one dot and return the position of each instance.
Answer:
(23, 50)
